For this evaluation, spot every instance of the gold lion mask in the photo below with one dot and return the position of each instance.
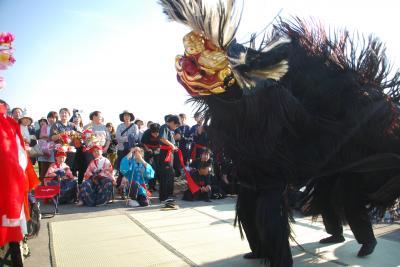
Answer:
(204, 68)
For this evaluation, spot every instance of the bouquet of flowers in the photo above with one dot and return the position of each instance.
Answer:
(90, 139)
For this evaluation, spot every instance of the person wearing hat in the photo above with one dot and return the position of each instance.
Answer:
(63, 176)
(25, 121)
(127, 136)
(97, 187)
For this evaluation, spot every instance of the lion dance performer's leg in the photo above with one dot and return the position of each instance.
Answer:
(264, 219)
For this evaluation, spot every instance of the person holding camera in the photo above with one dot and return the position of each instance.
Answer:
(137, 173)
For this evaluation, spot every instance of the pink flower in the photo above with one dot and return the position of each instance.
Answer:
(11, 59)
(6, 38)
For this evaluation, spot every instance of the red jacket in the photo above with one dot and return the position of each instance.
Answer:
(14, 182)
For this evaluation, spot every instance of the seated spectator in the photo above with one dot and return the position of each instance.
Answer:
(97, 188)
(226, 173)
(217, 185)
(205, 156)
(63, 176)
(137, 172)
(202, 178)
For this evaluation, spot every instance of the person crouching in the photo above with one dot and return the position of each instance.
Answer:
(202, 178)
(97, 187)
(137, 173)
(62, 175)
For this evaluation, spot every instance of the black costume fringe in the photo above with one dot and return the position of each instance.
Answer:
(308, 106)
(328, 113)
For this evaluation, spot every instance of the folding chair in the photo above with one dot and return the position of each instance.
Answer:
(48, 192)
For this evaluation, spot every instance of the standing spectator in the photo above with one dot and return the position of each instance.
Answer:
(184, 142)
(149, 123)
(99, 129)
(42, 135)
(177, 164)
(197, 134)
(199, 122)
(140, 125)
(29, 137)
(80, 163)
(101, 132)
(24, 122)
(112, 149)
(76, 119)
(200, 142)
(45, 142)
(60, 130)
(151, 145)
(167, 147)
(127, 134)
(16, 113)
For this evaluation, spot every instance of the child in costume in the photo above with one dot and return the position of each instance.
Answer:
(63, 176)
(97, 188)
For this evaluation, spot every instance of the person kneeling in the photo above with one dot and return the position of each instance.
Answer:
(62, 175)
(97, 188)
(138, 173)
(202, 178)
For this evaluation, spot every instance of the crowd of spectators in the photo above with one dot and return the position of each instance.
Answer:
(127, 161)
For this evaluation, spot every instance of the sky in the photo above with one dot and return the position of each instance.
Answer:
(119, 55)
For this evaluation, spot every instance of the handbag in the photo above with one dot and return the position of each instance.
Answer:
(35, 151)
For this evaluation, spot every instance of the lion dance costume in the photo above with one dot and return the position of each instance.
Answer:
(301, 107)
